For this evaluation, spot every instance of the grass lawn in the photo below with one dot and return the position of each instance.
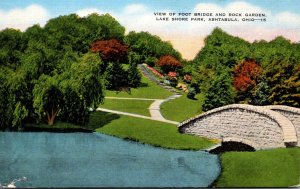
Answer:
(131, 106)
(265, 168)
(148, 89)
(148, 131)
(182, 108)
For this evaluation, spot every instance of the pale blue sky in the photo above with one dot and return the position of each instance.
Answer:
(283, 17)
(58, 7)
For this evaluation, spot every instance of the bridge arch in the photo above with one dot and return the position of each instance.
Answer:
(261, 127)
(241, 140)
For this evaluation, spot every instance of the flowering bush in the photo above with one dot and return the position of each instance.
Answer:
(168, 63)
(154, 71)
(187, 78)
(172, 78)
(172, 75)
(182, 86)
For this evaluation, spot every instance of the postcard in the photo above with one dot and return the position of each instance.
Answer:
(128, 93)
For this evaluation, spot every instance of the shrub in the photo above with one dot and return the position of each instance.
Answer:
(172, 77)
(168, 64)
(187, 78)
(150, 61)
(191, 94)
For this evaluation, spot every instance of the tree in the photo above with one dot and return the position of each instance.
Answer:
(222, 49)
(149, 47)
(260, 94)
(247, 75)
(116, 77)
(19, 97)
(202, 78)
(285, 86)
(110, 50)
(39, 59)
(134, 75)
(168, 63)
(47, 98)
(220, 93)
(82, 88)
(5, 113)
(102, 27)
(75, 108)
(12, 44)
(20, 113)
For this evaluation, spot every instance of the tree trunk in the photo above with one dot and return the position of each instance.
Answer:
(51, 117)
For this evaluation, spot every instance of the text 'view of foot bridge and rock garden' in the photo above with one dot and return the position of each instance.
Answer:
(135, 93)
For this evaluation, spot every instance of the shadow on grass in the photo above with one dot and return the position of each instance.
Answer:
(191, 98)
(99, 119)
(143, 85)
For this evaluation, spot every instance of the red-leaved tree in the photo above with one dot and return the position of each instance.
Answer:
(168, 63)
(110, 50)
(246, 75)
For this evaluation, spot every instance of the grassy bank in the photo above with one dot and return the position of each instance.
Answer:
(57, 127)
(182, 108)
(265, 168)
(131, 106)
(147, 89)
(151, 132)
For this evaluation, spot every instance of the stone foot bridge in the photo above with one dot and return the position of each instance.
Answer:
(261, 127)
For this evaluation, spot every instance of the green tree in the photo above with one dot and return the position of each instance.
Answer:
(39, 59)
(82, 88)
(134, 75)
(149, 46)
(5, 114)
(20, 96)
(220, 93)
(116, 76)
(47, 98)
(12, 44)
(20, 113)
(285, 86)
(222, 49)
(202, 78)
(261, 94)
(75, 108)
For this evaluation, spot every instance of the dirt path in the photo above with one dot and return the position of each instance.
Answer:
(154, 109)
(137, 115)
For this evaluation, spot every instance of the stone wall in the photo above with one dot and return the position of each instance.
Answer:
(252, 125)
(293, 114)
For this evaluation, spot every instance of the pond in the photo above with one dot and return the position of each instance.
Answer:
(42, 159)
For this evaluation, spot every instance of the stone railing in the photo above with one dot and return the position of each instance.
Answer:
(293, 114)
